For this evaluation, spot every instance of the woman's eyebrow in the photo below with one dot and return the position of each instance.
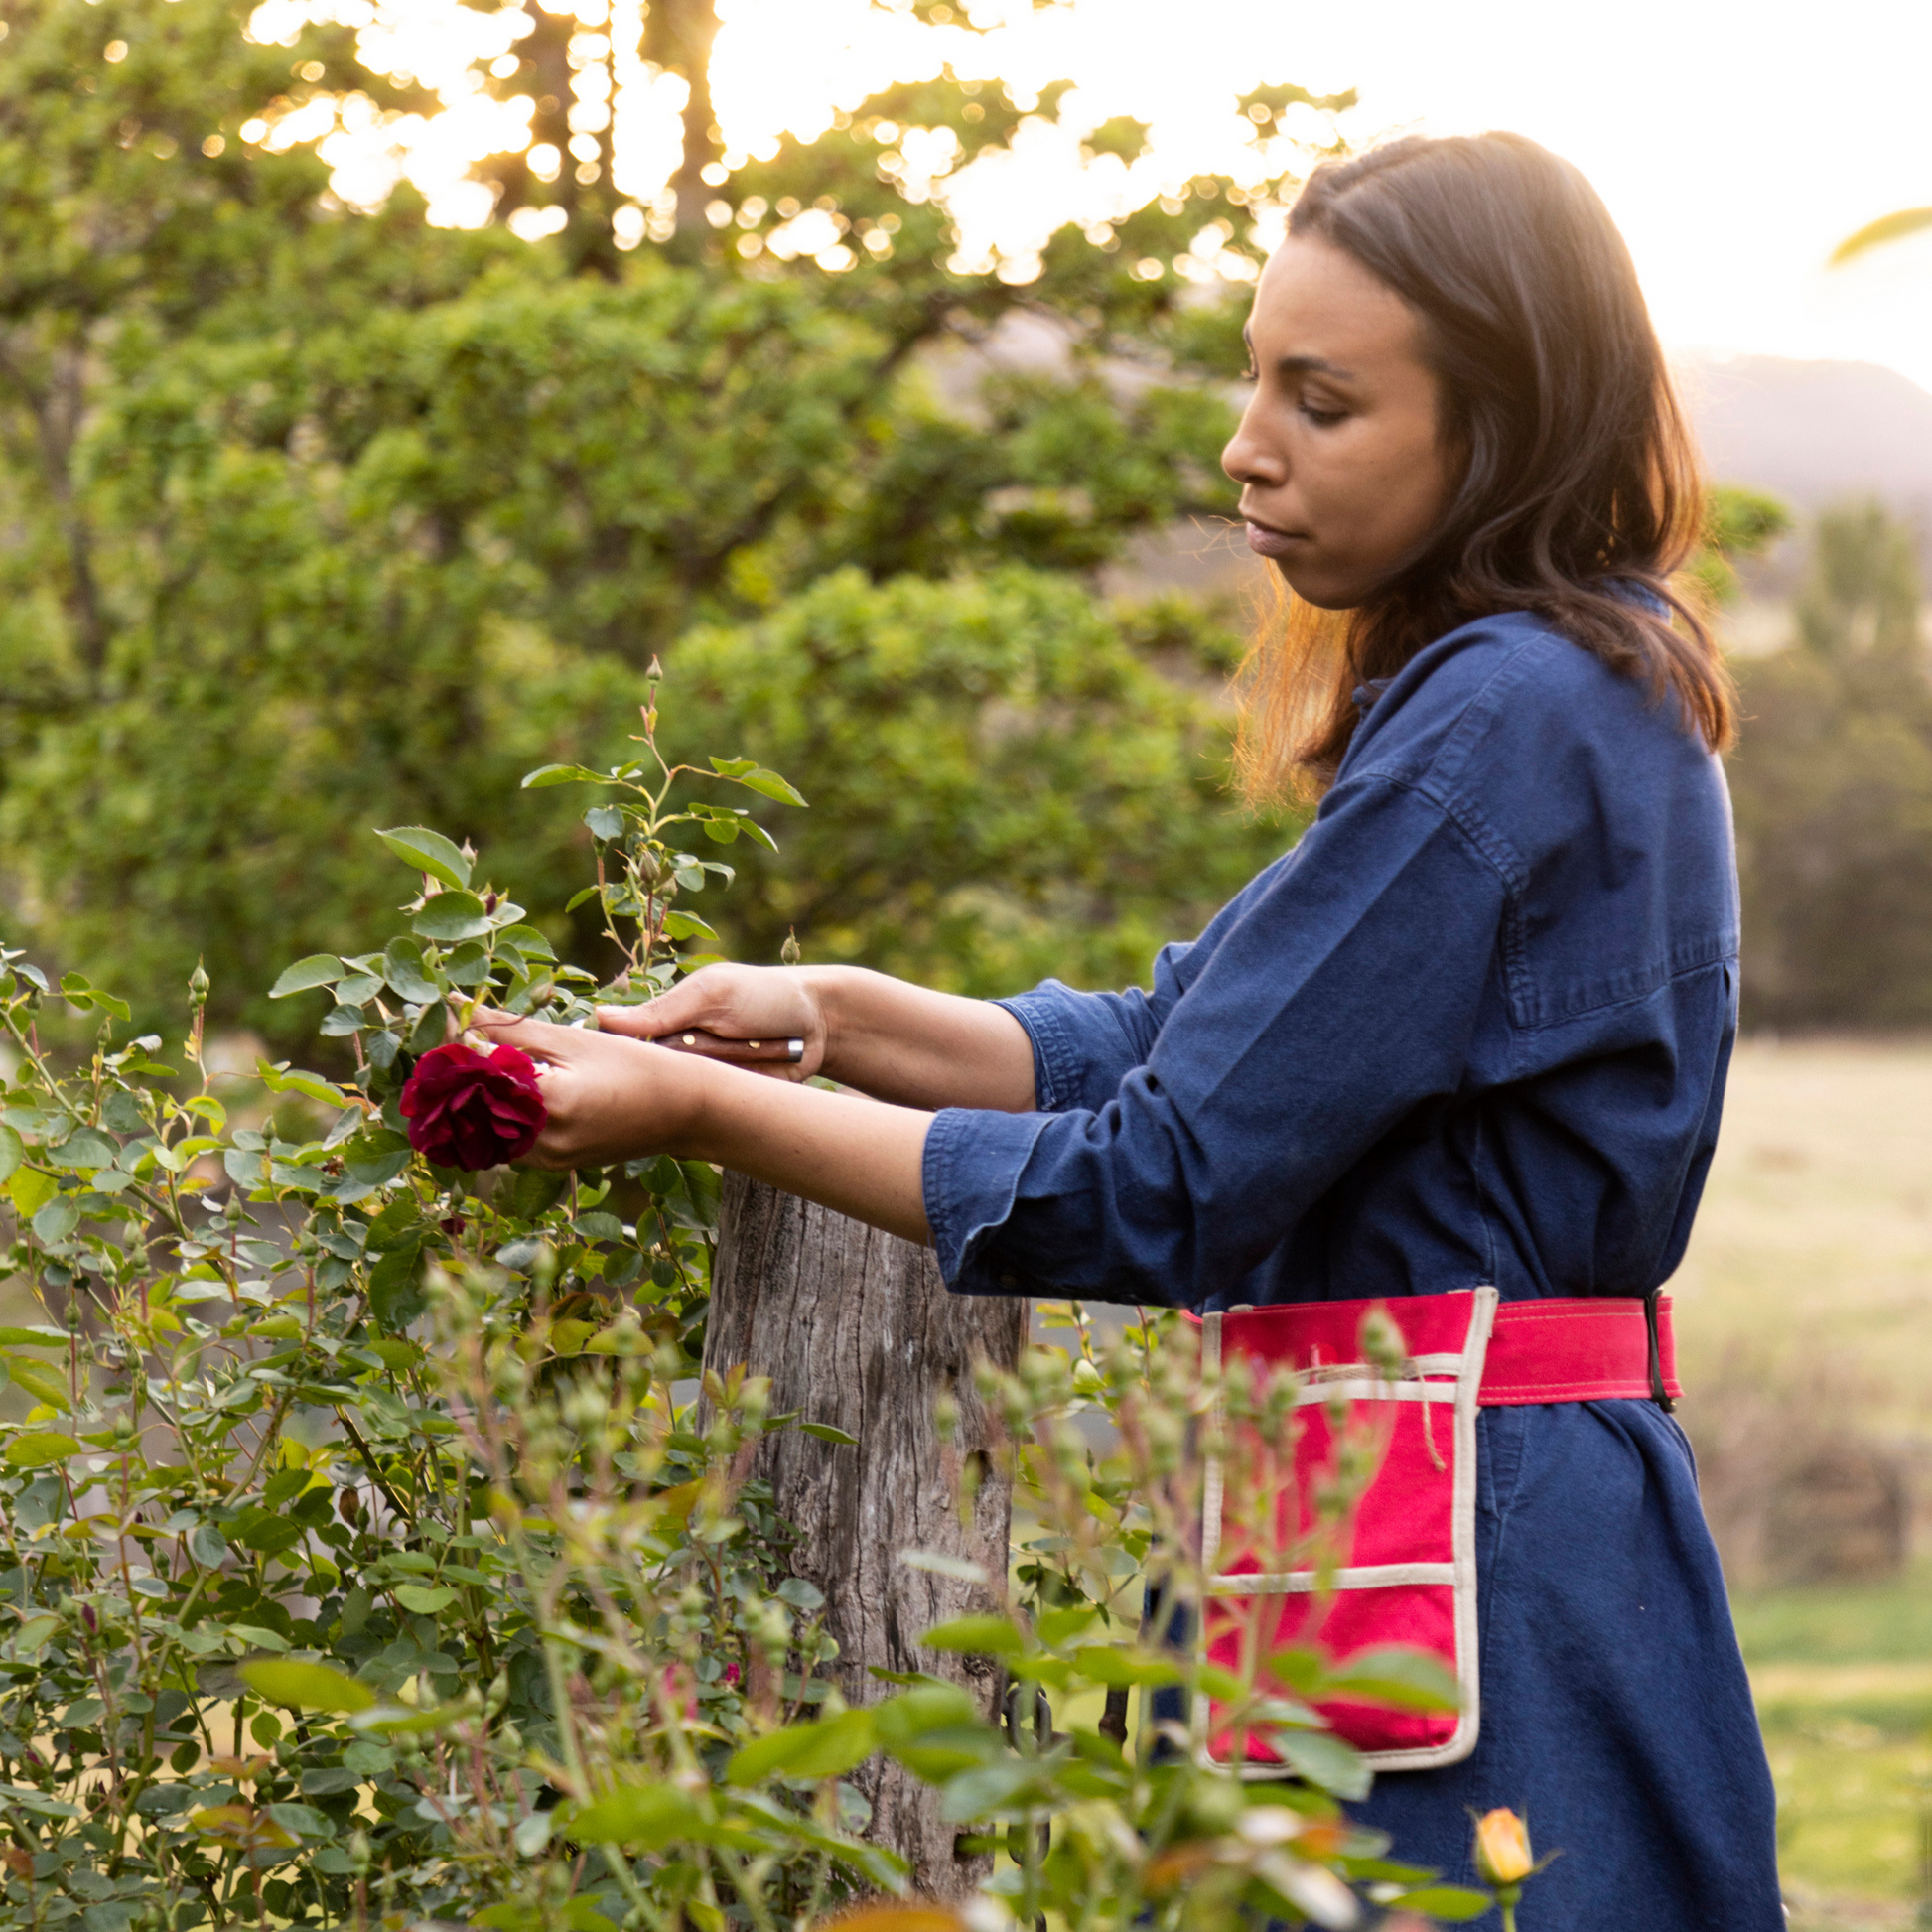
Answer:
(1301, 364)
(1311, 365)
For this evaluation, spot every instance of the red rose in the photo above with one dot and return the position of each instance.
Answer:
(473, 1110)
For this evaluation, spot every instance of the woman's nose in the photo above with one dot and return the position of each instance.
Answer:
(1248, 459)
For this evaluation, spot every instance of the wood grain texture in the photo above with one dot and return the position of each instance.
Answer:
(857, 1328)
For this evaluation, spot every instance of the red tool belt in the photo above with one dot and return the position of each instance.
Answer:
(1408, 1573)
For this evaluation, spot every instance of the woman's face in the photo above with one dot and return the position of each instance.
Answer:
(1338, 455)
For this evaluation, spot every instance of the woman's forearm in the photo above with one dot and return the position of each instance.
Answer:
(861, 1157)
(920, 1048)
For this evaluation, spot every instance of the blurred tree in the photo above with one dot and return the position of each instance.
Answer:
(356, 513)
(1002, 786)
(1832, 787)
(1737, 523)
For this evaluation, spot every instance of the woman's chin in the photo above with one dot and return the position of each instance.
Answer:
(1315, 586)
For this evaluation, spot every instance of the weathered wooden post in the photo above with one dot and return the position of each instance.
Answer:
(856, 1328)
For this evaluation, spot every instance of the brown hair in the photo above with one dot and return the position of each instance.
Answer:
(1579, 489)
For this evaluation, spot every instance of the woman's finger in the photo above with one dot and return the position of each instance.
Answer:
(537, 1037)
(634, 1023)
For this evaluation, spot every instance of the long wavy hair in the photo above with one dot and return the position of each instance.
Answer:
(1578, 486)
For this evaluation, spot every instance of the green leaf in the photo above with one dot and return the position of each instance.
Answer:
(29, 1338)
(827, 1433)
(262, 1639)
(208, 1546)
(468, 965)
(826, 1748)
(402, 967)
(563, 775)
(645, 1814)
(12, 1152)
(37, 1801)
(1398, 1677)
(302, 1819)
(1059, 1627)
(32, 1190)
(982, 1636)
(27, 1641)
(77, 991)
(41, 1381)
(425, 1600)
(528, 942)
(1122, 1664)
(431, 1029)
(83, 1151)
(396, 1296)
(429, 852)
(399, 1721)
(1323, 1760)
(757, 779)
(39, 1448)
(319, 969)
(306, 1686)
(686, 925)
(925, 1707)
(281, 1079)
(536, 1190)
(451, 916)
(56, 1220)
(1451, 1902)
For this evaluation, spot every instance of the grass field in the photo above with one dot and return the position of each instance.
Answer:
(1814, 1251)
(1815, 1238)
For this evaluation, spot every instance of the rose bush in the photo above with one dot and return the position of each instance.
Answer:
(362, 1559)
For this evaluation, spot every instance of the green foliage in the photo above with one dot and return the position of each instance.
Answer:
(1003, 785)
(1833, 785)
(1738, 522)
(359, 1560)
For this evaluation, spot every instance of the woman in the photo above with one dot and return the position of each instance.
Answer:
(1471, 1031)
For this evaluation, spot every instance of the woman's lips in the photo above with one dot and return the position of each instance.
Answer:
(1265, 542)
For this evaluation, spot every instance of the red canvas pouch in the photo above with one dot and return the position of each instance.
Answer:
(1406, 1574)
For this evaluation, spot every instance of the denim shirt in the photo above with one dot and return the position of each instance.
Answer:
(1472, 1030)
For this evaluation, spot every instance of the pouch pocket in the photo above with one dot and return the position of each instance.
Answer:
(1409, 1574)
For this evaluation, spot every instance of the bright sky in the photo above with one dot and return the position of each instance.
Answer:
(1735, 145)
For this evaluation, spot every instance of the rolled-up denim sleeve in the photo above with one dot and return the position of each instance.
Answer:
(1086, 1044)
(1341, 995)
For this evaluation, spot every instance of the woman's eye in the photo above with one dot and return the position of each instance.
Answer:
(1251, 373)
(1319, 417)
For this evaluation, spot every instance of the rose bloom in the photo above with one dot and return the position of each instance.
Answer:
(473, 1110)
(1504, 1848)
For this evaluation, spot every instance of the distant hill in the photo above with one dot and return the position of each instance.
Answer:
(1815, 433)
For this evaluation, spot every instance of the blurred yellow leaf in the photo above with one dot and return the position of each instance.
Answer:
(1874, 235)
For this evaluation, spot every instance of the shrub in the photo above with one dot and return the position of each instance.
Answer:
(362, 1561)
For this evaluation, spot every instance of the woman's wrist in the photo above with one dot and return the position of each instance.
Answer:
(832, 990)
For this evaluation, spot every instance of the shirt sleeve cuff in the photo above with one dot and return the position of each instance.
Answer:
(970, 1178)
(1058, 1065)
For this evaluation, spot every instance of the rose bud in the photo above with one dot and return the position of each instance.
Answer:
(1502, 1851)
(473, 1110)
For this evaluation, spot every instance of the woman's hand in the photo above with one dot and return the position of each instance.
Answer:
(608, 1098)
(612, 1099)
(867, 1032)
(737, 1002)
